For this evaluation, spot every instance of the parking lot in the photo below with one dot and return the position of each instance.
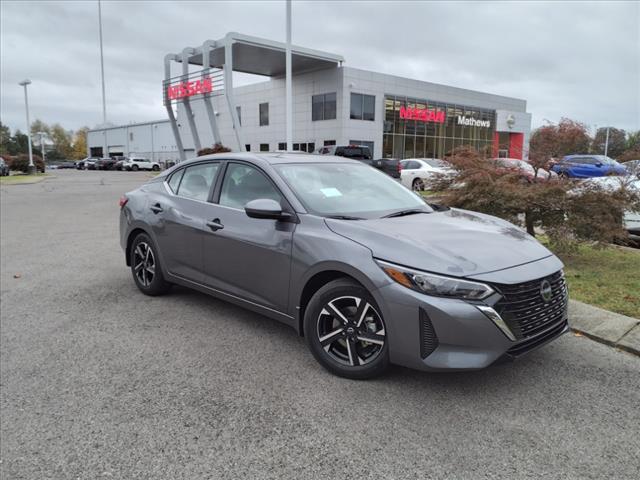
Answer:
(99, 381)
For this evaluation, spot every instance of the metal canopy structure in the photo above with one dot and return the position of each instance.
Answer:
(234, 52)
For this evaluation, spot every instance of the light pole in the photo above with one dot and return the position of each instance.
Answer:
(44, 160)
(24, 84)
(606, 143)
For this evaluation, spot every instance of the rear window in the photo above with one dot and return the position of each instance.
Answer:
(354, 152)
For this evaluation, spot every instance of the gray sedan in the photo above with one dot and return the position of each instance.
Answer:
(362, 267)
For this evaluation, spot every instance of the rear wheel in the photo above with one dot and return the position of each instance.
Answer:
(418, 185)
(155, 168)
(145, 267)
(345, 330)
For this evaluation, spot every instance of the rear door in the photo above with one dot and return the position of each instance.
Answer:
(177, 218)
(247, 257)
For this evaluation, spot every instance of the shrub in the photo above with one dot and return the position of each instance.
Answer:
(20, 163)
(567, 211)
(217, 148)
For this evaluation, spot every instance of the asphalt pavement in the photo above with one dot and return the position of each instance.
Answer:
(99, 381)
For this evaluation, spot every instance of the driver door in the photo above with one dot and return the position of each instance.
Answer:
(247, 257)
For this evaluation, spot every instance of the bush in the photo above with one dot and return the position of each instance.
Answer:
(217, 148)
(567, 211)
(20, 163)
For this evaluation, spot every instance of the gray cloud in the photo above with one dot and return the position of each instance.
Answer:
(580, 60)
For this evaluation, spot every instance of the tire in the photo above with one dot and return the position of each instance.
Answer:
(417, 185)
(155, 168)
(336, 345)
(134, 168)
(145, 267)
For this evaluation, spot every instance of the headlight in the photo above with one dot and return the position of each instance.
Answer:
(436, 285)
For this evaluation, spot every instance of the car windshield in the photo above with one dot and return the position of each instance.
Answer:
(344, 189)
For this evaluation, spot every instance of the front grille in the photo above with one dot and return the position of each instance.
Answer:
(428, 339)
(524, 310)
(528, 345)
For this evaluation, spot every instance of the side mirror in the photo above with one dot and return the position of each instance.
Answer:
(265, 208)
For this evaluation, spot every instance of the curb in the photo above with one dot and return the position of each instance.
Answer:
(606, 327)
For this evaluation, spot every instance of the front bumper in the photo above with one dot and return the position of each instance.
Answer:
(436, 334)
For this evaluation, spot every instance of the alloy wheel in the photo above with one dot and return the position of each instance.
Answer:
(351, 331)
(144, 264)
(418, 184)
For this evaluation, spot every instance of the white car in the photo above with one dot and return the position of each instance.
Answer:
(612, 183)
(140, 163)
(418, 173)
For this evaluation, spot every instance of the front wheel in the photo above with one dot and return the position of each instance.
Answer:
(345, 331)
(134, 168)
(145, 267)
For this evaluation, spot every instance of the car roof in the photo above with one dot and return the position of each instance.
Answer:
(275, 158)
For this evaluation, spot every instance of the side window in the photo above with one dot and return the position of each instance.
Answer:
(243, 183)
(174, 181)
(197, 180)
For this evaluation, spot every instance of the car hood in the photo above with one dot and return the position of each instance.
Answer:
(454, 242)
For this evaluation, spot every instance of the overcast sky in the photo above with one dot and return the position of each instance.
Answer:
(575, 59)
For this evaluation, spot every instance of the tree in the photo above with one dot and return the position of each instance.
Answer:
(5, 139)
(80, 144)
(617, 142)
(566, 211)
(61, 143)
(217, 148)
(556, 141)
(38, 126)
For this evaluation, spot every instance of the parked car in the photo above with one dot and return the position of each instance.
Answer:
(139, 163)
(524, 169)
(4, 168)
(418, 173)
(633, 167)
(119, 162)
(359, 265)
(586, 166)
(631, 219)
(105, 164)
(66, 165)
(390, 166)
(87, 164)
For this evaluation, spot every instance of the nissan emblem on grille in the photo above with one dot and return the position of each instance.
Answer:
(545, 291)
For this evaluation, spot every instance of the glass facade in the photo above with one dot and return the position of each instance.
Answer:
(415, 128)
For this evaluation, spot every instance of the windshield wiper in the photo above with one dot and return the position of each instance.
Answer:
(345, 217)
(402, 213)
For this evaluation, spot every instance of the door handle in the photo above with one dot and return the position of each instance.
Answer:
(156, 208)
(215, 224)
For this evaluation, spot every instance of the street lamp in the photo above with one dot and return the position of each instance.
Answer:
(42, 135)
(24, 84)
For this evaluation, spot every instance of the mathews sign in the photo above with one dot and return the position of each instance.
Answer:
(472, 122)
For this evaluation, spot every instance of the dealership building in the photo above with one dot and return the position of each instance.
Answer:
(332, 104)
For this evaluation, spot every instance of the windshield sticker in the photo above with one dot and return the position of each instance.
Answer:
(331, 192)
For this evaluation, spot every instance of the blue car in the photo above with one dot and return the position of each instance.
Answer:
(586, 166)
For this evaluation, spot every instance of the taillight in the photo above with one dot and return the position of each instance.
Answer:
(123, 201)
(399, 167)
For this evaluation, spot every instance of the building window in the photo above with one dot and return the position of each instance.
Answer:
(363, 107)
(264, 114)
(247, 147)
(264, 147)
(364, 143)
(311, 147)
(131, 136)
(282, 146)
(323, 107)
(239, 112)
(296, 147)
(328, 143)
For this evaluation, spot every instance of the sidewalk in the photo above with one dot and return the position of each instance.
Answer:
(606, 327)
